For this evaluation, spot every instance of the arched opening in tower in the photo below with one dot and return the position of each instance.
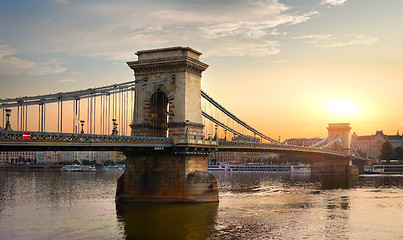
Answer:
(159, 114)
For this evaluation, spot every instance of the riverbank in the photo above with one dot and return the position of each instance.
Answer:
(24, 166)
(34, 167)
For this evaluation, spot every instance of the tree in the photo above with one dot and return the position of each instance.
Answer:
(108, 162)
(398, 153)
(387, 152)
(86, 162)
(122, 162)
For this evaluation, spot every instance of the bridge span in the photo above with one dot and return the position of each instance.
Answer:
(47, 141)
(163, 122)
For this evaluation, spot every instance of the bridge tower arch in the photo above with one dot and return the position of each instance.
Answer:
(342, 132)
(158, 114)
(176, 73)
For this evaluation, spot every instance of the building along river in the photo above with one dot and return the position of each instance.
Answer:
(80, 205)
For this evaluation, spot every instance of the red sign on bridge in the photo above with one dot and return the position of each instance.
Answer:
(26, 135)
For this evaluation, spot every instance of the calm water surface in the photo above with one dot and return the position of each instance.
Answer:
(56, 205)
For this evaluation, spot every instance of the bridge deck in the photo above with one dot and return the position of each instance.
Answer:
(45, 141)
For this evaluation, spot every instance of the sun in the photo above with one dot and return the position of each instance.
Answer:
(343, 108)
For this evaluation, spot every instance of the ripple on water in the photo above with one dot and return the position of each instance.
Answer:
(255, 206)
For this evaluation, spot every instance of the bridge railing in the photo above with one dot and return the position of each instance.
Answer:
(53, 136)
(278, 146)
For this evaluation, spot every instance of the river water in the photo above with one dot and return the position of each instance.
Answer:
(57, 205)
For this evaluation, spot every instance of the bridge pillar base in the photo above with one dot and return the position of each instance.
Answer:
(339, 167)
(168, 178)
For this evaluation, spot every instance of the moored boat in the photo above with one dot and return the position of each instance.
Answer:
(301, 169)
(384, 169)
(261, 168)
(115, 168)
(78, 168)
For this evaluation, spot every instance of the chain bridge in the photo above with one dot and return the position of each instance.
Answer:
(163, 122)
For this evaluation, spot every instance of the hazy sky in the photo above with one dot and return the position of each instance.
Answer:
(286, 67)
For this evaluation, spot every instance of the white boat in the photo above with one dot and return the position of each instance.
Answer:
(218, 167)
(300, 168)
(78, 168)
(116, 168)
(261, 168)
(384, 169)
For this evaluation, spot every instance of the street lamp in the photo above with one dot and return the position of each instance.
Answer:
(187, 135)
(82, 126)
(215, 134)
(115, 127)
(8, 114)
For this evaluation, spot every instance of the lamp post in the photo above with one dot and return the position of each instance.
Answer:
(215, 134)
(187, 135)
(8, 125)
(115, 127)
(82, 126)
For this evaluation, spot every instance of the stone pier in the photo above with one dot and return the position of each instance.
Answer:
(166, 177)
(339, 166)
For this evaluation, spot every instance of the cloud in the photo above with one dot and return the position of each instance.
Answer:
(7, 57)
(118, 27)
(46, 69)
(333, 2)
(74, 73)
(62, 1)
(295, 19)
(66, 80)
(329, 41)
(238, 46)
(12, 65)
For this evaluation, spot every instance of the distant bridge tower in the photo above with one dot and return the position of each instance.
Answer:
(341, 131)
(168, 107)
(339, 139)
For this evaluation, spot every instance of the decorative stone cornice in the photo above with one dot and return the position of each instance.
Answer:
(168, 49)
(167, 65)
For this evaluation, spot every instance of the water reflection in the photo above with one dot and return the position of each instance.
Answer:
(56, 205)
(335, 182)
(261, 182)
(167, 221)
(7, 191)
(337, 216)
(381, 181)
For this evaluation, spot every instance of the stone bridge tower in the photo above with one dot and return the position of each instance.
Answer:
(340, 165)
(168, 104)
(166, 108)
(343, 130)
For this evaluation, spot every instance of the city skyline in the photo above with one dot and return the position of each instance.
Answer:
(288, 68)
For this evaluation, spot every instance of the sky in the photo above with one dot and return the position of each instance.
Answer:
(286, 67)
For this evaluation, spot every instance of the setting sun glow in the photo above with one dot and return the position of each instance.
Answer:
(345, 108)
